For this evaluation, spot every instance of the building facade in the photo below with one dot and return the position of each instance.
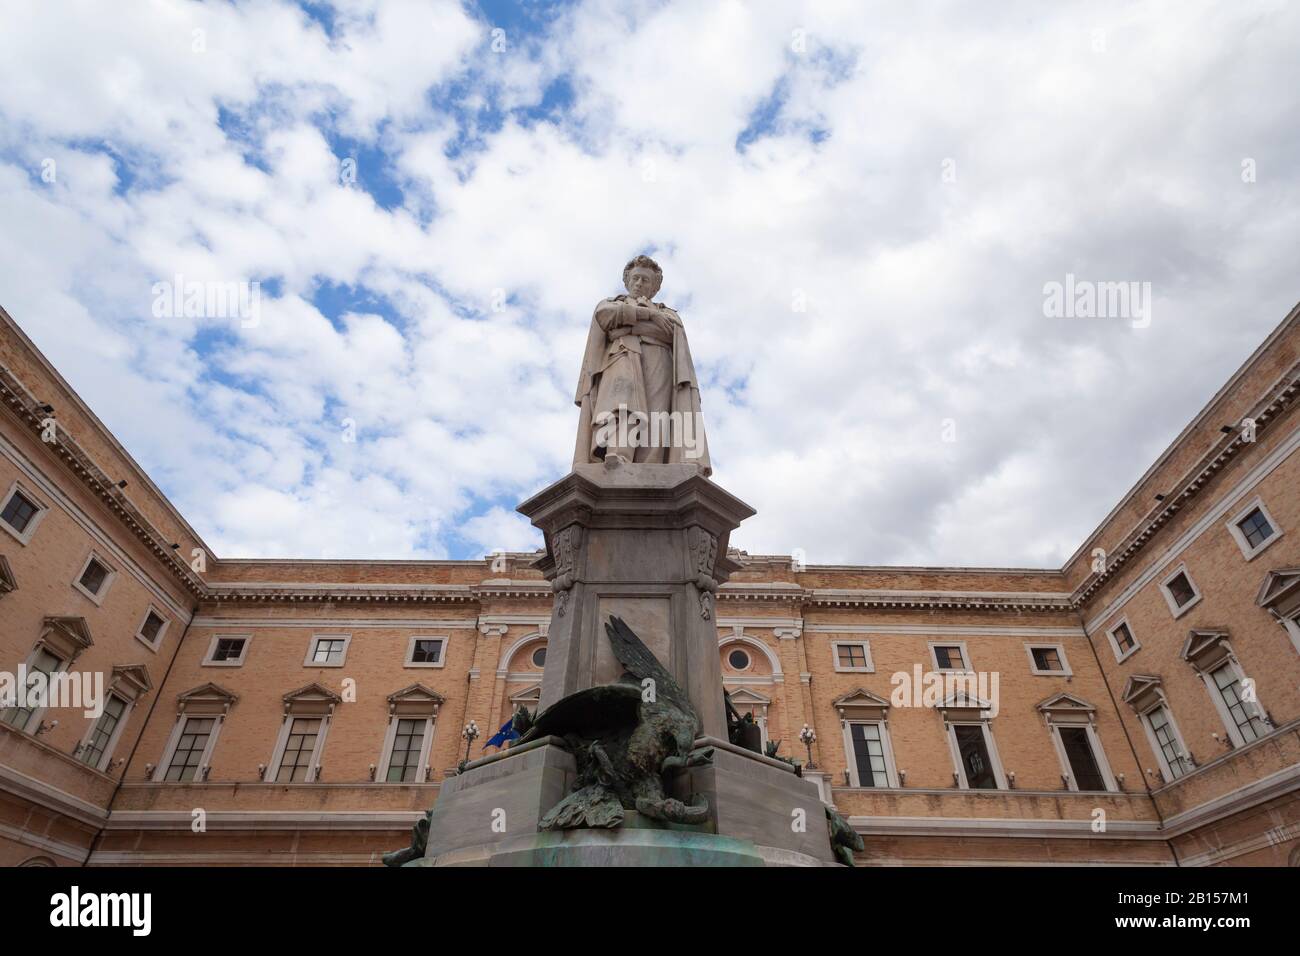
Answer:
(1140, 705)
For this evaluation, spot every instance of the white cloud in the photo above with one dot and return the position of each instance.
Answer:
(923, 297)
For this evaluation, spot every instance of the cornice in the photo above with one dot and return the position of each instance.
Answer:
(1278, 399)
(31, 413)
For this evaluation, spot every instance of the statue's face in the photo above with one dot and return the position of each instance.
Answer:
(642, 281)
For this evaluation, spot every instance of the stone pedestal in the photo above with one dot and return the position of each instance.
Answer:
(647, 543)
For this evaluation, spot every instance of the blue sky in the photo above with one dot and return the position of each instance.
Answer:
(857, 207)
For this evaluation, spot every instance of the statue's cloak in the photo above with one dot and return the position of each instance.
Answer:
(601, 355)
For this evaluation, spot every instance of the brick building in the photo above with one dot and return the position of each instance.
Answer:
(1139, 705)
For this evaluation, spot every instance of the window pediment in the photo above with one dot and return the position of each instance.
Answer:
(67, 636)
(207, 699)
(1280, 591)
(861, 704)
(1066, 708)
(415, 700)
(131, 680)
(1142, 692)
(311, 699)
(1206, 648)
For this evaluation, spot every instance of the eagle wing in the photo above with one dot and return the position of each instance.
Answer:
(637, 659)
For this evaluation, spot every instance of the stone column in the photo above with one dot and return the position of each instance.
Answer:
(647, 543)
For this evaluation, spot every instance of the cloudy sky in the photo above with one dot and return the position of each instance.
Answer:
(857, 207)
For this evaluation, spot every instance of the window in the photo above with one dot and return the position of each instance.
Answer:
(20, 716)
(1072, 724)
(869, 767)
(1168, 744)
(412, 713)
(1122, 641)
(852, 656)
(539, 656)
(298, 749)
(97, 748)
(738, 660)
(227, 650)
(1079, 756)
(94, 579)
(152, 629)
(1254, 529)
(1179, 591)
(187, 757)
(1227, 682)
(426, 652)
(21, 513)
(973, 752)
(408, 741)
(328, 651)
(1048, 659)
(296, 762)
(950, 657)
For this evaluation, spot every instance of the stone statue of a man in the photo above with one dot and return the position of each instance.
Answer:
(638, 392)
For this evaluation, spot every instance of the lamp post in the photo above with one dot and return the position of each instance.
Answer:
(470, 733)
(808, 736)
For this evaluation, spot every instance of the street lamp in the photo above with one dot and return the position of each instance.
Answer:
(470, 733)
(808, 735)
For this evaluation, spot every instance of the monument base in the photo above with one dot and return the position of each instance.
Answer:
(760, 814)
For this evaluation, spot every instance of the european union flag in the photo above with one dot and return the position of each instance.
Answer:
(503, 736)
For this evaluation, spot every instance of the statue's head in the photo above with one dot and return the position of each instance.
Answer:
(642, 276)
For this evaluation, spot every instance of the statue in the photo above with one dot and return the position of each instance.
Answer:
(637, 391)
(626, 737)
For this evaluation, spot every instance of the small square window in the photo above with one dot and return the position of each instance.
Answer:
(852, 656)
(1255, 528)
(427, 651)
(1048, 660)
(228, 649)
(19, 511)
(1122, 642)
(94, 579)
(1124, 637)
(948, 657)
(329, 650)
(151, 629)
(1180, 592)
(1181, 589)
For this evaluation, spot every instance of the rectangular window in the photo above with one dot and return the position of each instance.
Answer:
(228, 649)
(1124, 638)
(1163, 731)
(92, 752)
(328, 650)
(19, 511)
(949, 657)
(1083, 762)
(93, 577)
(974, 754)
(852, 655)
(1229, 686)
(1180, 592)
(188, 754)
(1048, 659)
(1255, 528)
(151, 628)
(295, 764)
(427, 650)
(47, 664)
(869, 755)
(407, 744)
